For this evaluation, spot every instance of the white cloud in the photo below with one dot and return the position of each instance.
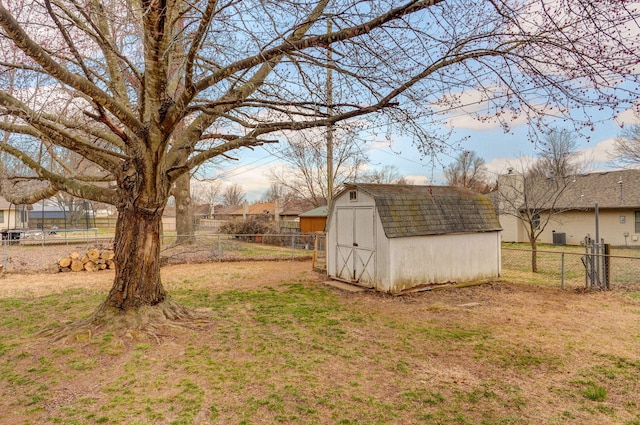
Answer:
(598, 153)
(501, 165)
(630, 116)
(478, 110)
(418, 180)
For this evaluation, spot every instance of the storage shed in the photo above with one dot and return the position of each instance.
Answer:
(397, 237)
(314, 220)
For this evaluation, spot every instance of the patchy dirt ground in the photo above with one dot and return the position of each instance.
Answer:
(496, 353)
(37, 258)
(227, 275)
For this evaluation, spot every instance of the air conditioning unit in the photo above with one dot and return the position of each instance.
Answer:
(559, 238)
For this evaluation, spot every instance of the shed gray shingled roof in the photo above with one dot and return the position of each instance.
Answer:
(407, 210)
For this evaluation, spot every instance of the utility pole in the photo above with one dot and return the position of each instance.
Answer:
(329, 115)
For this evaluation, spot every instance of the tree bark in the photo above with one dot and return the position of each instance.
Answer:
(137, 260)
(184, 210)
(534, 255)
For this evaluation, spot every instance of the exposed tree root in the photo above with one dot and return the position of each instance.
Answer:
(144, 322)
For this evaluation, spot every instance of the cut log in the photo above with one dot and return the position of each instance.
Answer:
(64, 262)
(107, 255)
(93, 254)
(93, 260)
(76, 265)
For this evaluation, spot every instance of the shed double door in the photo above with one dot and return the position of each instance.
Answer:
(355, 253)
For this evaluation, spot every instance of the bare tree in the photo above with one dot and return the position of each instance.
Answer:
(626, 151)
(75, 209)
(541, 191)
(148, 91)
(208, 191)
(279, 192)
(559, 155)
(305, 173)
(468, 171)
(389, 174)
(233, 195)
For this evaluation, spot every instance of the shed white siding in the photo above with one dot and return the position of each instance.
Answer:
(443, 258)
(359, 250)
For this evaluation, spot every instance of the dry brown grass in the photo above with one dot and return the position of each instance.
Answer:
(284, 348)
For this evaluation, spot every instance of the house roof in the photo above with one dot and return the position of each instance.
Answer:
(260, 208)
(4, 204)
(316, 212)
(408, 210)
(295, 207)
(292, 208)
(226, 209)
(202, 209)
(610, 189)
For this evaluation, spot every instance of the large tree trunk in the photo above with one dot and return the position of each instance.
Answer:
(184, 210)
(137, 257)
(137, 301)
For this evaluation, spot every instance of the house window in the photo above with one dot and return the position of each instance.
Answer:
(353, 195)
(535, 220)
(1, 216)
(637, 222)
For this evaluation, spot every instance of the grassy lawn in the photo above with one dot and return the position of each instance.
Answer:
(298, 352)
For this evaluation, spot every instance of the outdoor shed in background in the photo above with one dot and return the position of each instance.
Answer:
(397, 237)
(314, 220)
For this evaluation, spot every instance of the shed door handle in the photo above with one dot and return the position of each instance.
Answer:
(355, 244)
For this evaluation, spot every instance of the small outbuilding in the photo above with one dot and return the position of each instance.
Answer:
(397, 237)
(314, 220)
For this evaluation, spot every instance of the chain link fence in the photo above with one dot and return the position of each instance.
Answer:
(566, 268)
(39, 252)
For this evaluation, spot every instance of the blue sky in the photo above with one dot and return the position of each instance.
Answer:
(489, 141)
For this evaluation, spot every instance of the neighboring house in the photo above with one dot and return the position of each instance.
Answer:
(286, 215)
(314, 220)
(13, 216)
(202, 211)
(617, 194)
(397, 237)
(260, 210)
(291, 210)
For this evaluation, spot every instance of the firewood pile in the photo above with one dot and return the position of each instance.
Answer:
(93, 260)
